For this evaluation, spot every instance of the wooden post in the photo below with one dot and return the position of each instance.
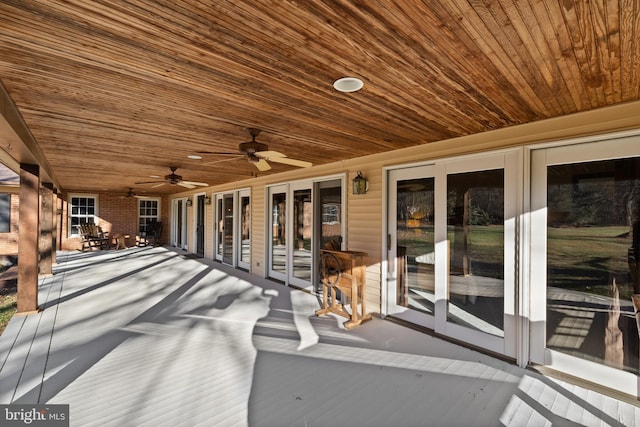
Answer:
(46, 231)
(54, 226)
(28, 225)
(62, 206)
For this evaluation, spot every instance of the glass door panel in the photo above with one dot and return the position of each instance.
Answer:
(411, 244)
(415, 244)
(219, 221)
(200, 224)
(244, 255)
(179, 225)
(330, 205)
(475, 223)
(278, 232)
(592, 209)
(302, 236)
(329, 220)
(227, 229)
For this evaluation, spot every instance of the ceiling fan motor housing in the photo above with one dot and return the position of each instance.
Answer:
(173, 178)
(252, 147)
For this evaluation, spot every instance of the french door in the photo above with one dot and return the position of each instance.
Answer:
(302, 217)
(451, 248)
(232, 236)
(200, 217)
(179, 223)
(291, 252)
(585, 227)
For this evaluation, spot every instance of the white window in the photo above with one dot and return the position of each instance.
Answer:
(148, 213)
(83, 210)
(5, 213)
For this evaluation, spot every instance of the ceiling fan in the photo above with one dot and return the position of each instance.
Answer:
(258, 154)
(131, 194)
(175, 179)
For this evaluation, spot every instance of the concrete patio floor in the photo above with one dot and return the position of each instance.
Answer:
(153, 336)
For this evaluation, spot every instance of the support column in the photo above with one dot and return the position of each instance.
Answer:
(56, 207)
(28, 253)
(46, 231)
(61, 206)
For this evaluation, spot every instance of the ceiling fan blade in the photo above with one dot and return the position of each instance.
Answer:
(148, 182)
(186, 185)
(275, 156)
(201, 184)
(220, 161)
(158, 185)
(262, 165)
(292, 162)
(270, 154)
(220, 153)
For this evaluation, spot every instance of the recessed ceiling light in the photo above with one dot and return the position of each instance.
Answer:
(348, 84)
(194, 157)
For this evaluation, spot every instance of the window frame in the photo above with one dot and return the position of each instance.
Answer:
(70, 214)
(8, 221)
(157, 216)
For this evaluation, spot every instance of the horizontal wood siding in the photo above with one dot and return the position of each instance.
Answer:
(209, 227)
(364, 228)
(258, 235)
(366, 213)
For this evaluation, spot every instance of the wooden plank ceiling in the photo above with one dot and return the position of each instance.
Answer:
(117, 91)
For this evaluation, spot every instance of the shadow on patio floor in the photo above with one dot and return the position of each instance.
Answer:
(148, 337)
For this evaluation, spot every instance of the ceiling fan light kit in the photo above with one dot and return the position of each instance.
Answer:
(173, 178)
(252, 147)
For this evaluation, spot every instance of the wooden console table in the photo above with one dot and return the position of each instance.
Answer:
(344, 271)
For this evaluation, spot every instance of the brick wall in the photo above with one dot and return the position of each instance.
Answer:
(116, 214)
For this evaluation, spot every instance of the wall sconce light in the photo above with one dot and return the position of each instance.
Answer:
(360, 184)
(207, 200)
(189, 202)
